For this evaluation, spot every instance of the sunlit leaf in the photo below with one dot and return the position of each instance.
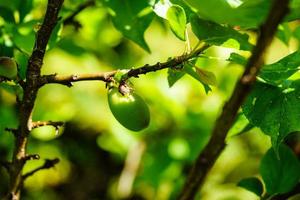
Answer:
(247, 14)
(216, 34)
(240, 126)
(24, 36)
(177, 20)
(12, 88)
(281, 70)
(187, 9)
(238, 59)
(174, 76)
(132, 18)
(205, 77)
(284, 33)
(25, 7)
(280, 106)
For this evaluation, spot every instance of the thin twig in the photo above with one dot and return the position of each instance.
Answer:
(216, 144)
(69, 79)
(179, 60)
(134, 72)
(49, 163)
(12, 130)
(21, 50)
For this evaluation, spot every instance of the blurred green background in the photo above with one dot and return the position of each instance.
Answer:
(100, 159)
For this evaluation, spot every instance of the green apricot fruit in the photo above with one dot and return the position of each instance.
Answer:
(129, 109)
(8, 67)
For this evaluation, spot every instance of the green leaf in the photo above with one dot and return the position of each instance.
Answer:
(216, 34)
(278, 72)
(177, 20)
(12, 5)
(174, 75)
(294, 13)
(22, 61)
(240, 126)
(252, 184)
(25, 7)
(24, 35)
(244, 13)
(6, 50)
(238, 59)
(296, 33)
(280, 172)
(70, 46)
(12, 88)
(247, 14)
(284, 33)
(131, 18)
(280, 106)
(206, 78)
(8, 117)
(7, 14)
(212, 10)
(24, 42)
(187, 9)
(55, 35)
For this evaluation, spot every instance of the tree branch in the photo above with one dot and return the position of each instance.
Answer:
(69, 79)
(134, 72)
(173, 63)
(216, 144)
(49, 163)
(30, 91)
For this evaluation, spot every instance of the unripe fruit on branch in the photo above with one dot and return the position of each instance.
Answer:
(129, 109)
(8, 67)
